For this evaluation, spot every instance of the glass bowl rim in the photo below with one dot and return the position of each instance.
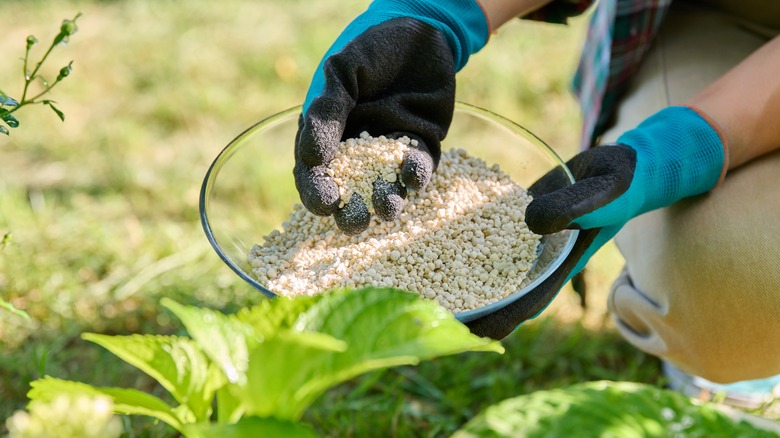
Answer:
(465, 316)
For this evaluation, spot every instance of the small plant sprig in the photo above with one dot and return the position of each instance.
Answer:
(9, 105)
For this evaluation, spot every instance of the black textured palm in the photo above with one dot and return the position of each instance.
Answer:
(601, 175)
(397, 78)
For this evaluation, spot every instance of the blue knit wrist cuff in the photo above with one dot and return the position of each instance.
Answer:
(679, 154)
(462, 22)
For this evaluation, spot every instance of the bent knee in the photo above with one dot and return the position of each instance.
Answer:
(706, 339)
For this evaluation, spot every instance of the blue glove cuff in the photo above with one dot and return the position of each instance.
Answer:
(679, 154)
(462, 22)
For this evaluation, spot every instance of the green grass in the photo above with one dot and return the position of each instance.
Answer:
(103, 208)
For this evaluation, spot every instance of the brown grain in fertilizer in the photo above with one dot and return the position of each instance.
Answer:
(462, 241)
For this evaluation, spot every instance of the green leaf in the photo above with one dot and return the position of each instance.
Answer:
(270, 317)
(223, 338)
(7, 100)
(386, 322)
(229, 407)
(250, 427)
(4, 130)
(126, 401)
(381, 327)
(12, 121)
(176, 362)
(11, 308)
(56, 111)
(274, 385)
(607, 409)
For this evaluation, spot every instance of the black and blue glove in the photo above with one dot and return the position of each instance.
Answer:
(676, 153)
(391, 72)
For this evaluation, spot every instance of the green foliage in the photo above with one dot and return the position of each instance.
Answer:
(143, 127)
(177, 363)
(3, 303)
(266, 365)
(9, 105)
(251, 427)
(605, 409)
(66, 416)
(125, 401)
(11, 308)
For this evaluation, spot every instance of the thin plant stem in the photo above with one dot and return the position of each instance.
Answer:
(67, 29)
(29, 79)
(32, 100)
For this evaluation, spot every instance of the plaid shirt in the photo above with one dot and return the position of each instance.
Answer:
(619, 35)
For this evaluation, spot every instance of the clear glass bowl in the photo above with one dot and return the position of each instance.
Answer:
(249, 189)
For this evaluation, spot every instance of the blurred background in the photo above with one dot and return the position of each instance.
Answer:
(102, 209)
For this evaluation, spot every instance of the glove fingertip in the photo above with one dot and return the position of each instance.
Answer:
(416, 170)
(318, 193)
(354, 217)
(388, 199)
(544, 217)
(317, 140)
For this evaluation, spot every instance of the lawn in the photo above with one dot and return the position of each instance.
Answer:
(102, 209)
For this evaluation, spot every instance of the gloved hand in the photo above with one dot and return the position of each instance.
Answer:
(391, 72)
(676, 153)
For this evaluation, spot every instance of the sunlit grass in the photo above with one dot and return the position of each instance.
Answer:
(103, 207)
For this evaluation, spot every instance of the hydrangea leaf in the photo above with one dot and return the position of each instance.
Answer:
(606, 409)
(176, 362)
(279, 314)
(381, 328)
(223, 338)
(282, 365)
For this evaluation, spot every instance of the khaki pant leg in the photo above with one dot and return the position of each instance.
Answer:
(703, 283)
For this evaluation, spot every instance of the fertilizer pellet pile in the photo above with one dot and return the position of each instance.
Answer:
(360, 161)
(462, 241)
